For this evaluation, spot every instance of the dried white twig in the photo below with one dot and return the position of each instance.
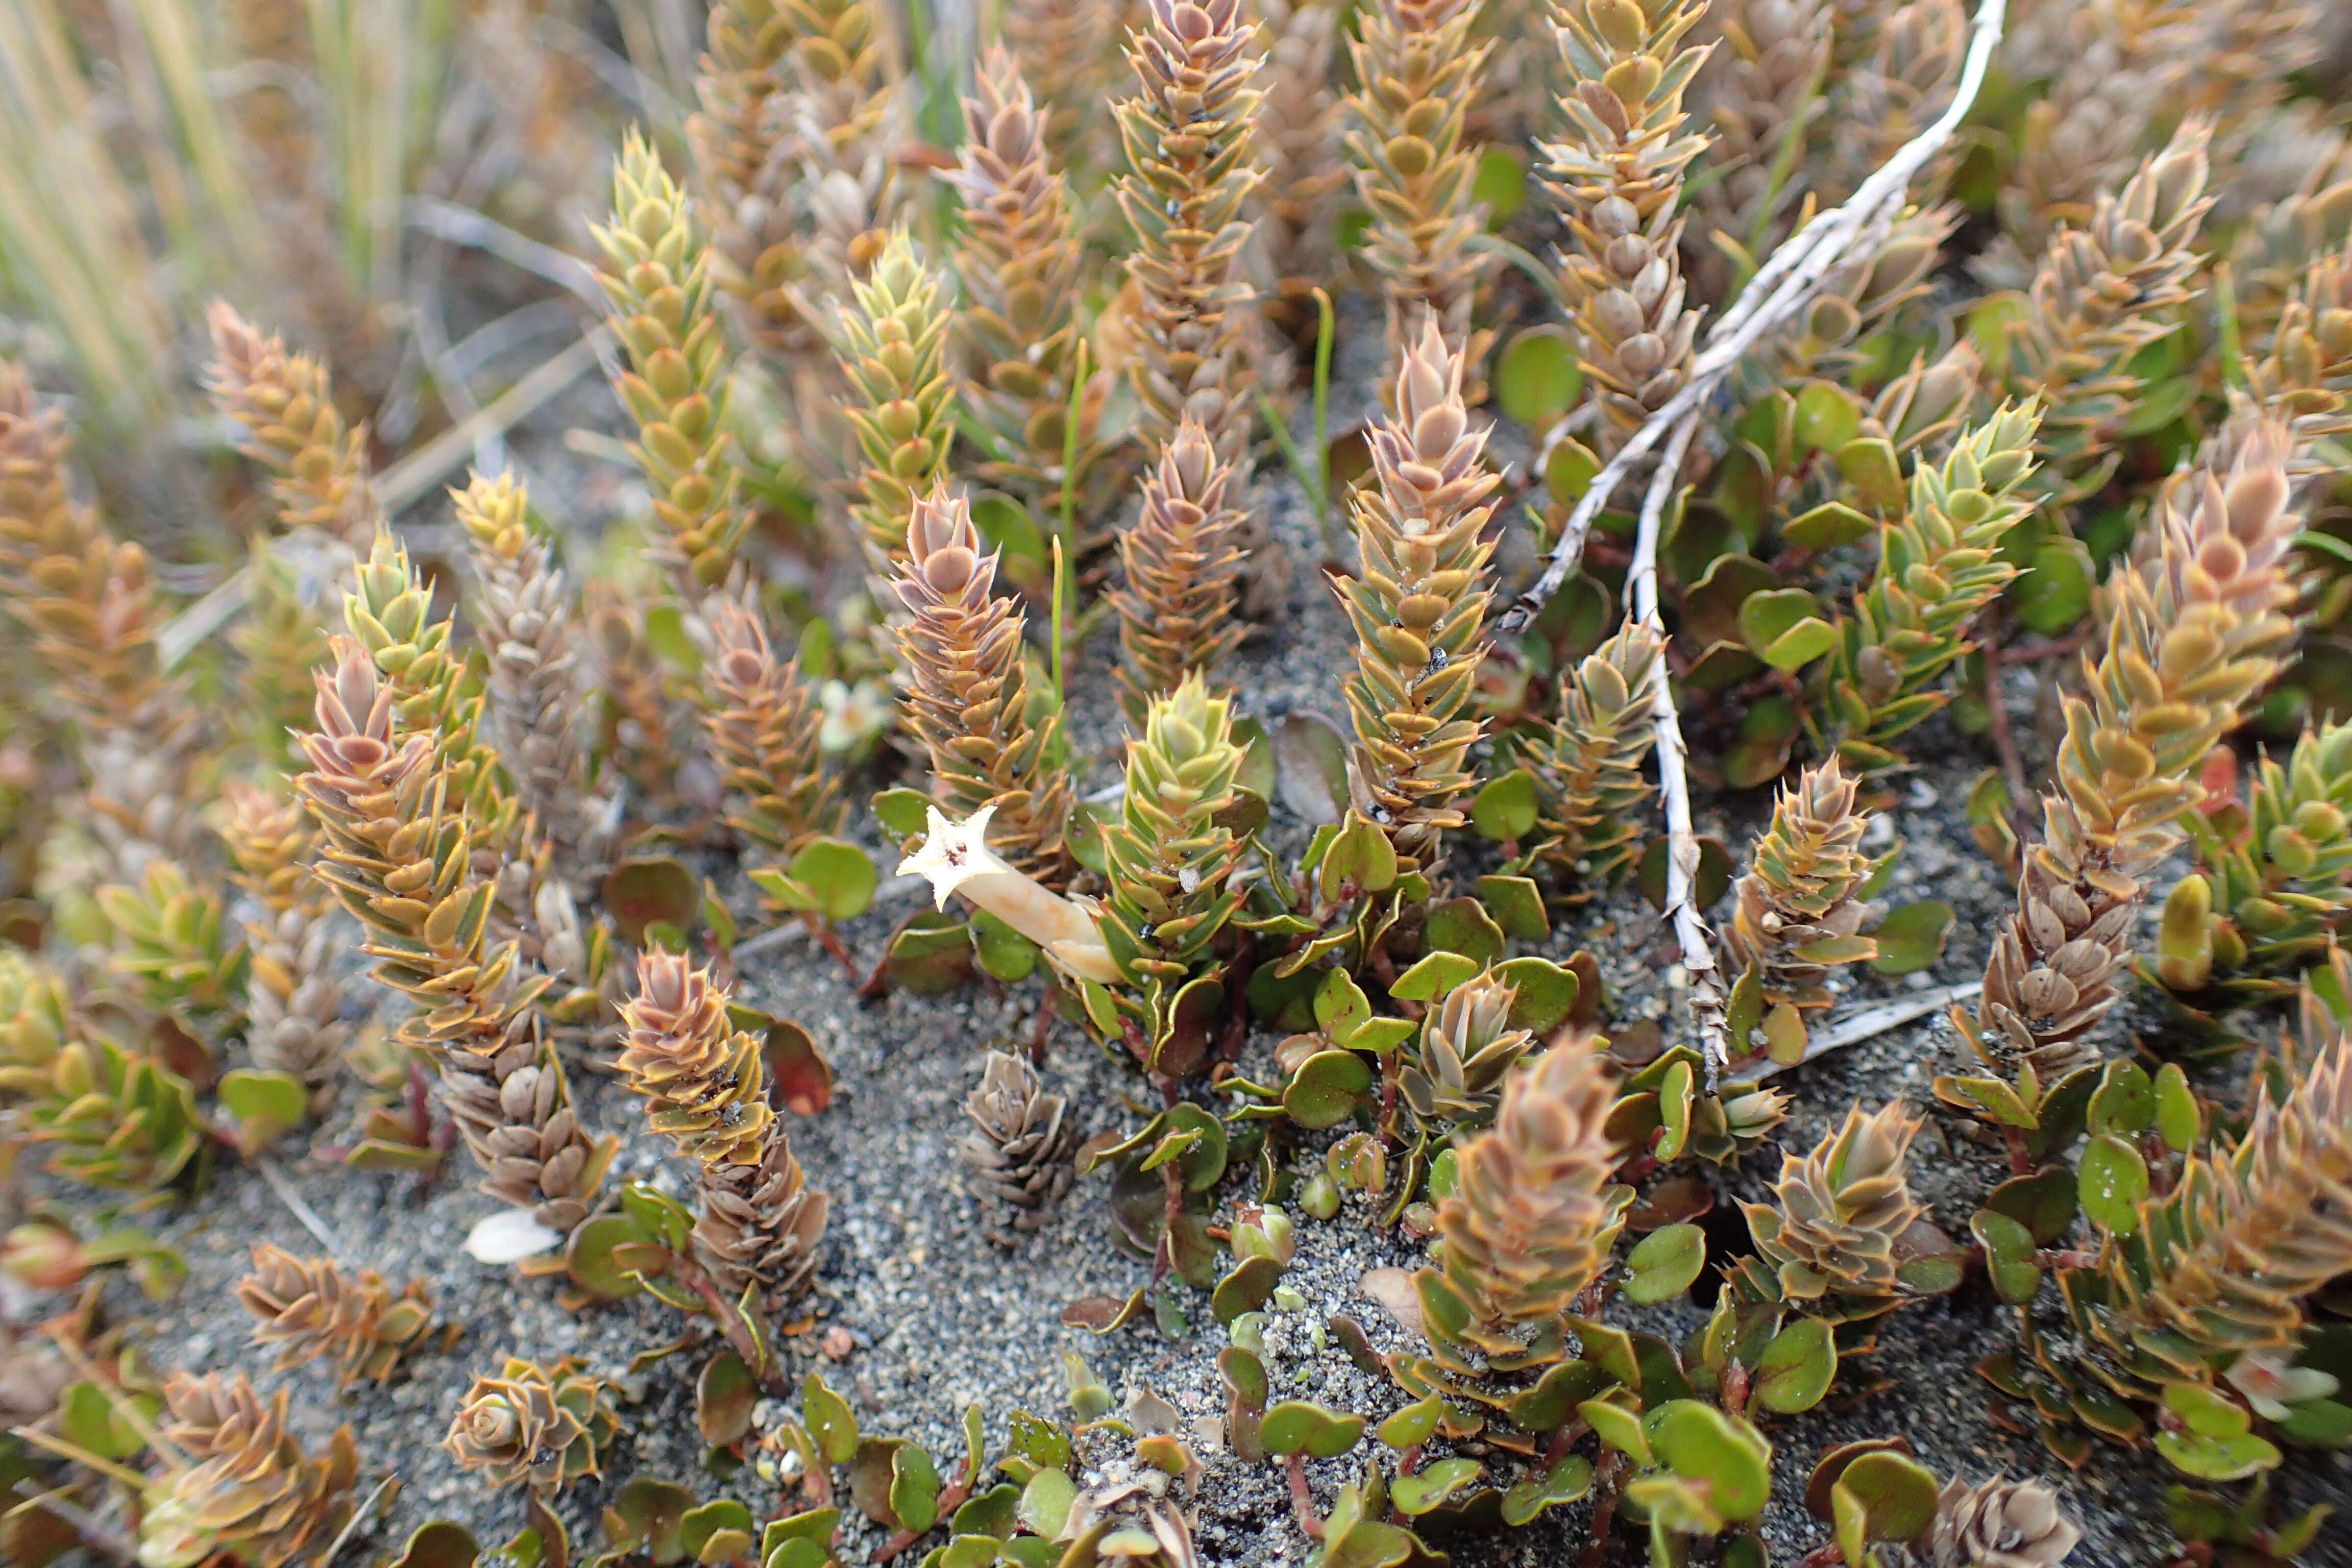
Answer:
(1777, 294)
(1866, 1024)
(1779, 290)
(1707, 993)
(301, 1210)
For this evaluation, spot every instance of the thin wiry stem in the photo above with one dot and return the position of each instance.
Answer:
(1779, 292)
(1690, 933)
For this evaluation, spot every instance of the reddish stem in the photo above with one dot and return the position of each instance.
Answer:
(729, 1321)
(1604, 1511)
(1302, 1501)
(1735, 1387)
(830, 940)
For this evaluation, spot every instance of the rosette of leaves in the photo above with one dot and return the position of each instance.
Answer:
(388, 611)
(319, 473)
(1169, 861)
(1417, 604)
(397, 848)
(171, 943)
(1798, 913)
(1939, 564)
(536, 695)
(115, 1118)
(704, 1084)
(665, 310)
(309, 1309)
(1021, 1143)
(1617, 172)
(541, 1426)
(1466, 1048)
(2274, 889)
(294, 1002)
(1665, 1108)
(1183, 564)
(2195, 1298)
(1587, 764)
(1420, 67)
(764, 727)
(2193, 633)
(252, 1491)
(1844, 1240)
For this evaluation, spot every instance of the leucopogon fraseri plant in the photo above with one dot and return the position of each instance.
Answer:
(952, 523)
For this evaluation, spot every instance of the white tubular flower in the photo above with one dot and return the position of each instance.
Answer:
(955, 858)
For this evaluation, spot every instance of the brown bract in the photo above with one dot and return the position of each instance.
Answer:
(1018, 1149)
(1417, 604)
(253, 1492)
(967, 697)
(320, 475)
(1529, 1224)
(1183, 560)
(309, 1309)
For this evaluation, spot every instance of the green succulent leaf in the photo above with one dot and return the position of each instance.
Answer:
(1567, 1481)
(2112, 1183)
(1912, 938)
(1429, 1489)
(1797, 1368)
(1665, 1263)
(2218, 1458)
(1536, 379)
(830, 1420)
(1504, 809)
(1302, 1426)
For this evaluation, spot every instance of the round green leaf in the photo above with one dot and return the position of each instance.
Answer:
(2009, 1256)
(2216, 1458)
(1912, 937)
(650, 890)
(589, 1256)
(2057, 592)
(1425, 1490)
(1797, 1368)
(1299, 1426)
(1665, 1263)
(2112, 1183)
(839, 873)
(1701, 1443)
(1505, 808)
(1896, 1494)
(1827, 415)
(1536, 379)
(723, 1397)
(2178, 1119)
(2124, 1103)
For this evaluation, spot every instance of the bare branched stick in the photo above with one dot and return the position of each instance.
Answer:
(1779, 292)
(1707, 993)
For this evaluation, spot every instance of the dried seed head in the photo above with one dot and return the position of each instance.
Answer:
(1419, 70)
(1022, 1140)
(1999, 1524)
